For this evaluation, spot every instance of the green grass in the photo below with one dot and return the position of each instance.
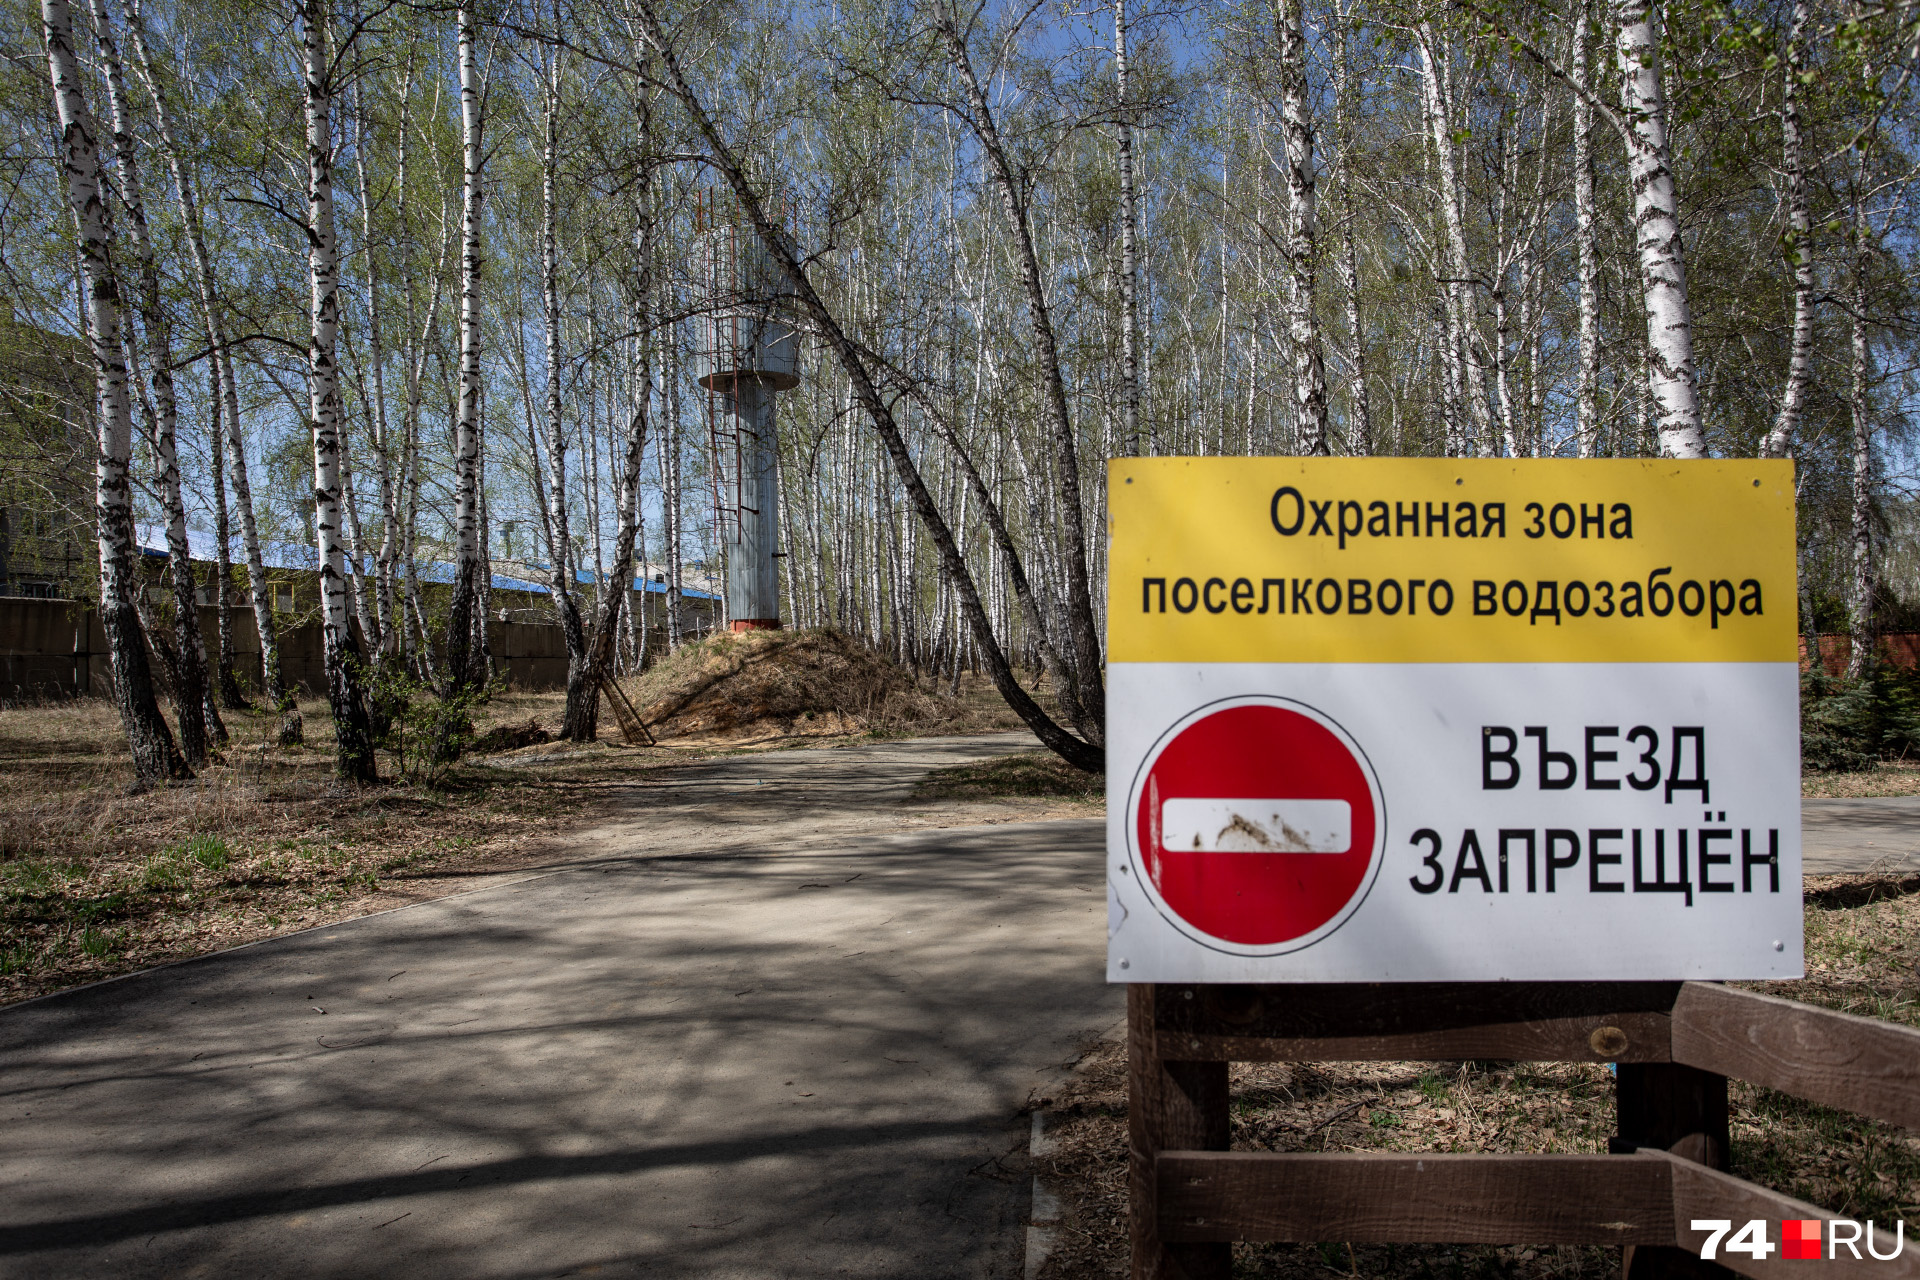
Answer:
(209, 851)
(1851, 1166)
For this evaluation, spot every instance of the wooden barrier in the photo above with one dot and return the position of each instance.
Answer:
(1676, 1044)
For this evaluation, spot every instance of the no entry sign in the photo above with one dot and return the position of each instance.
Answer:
(1403, 720)
(1256, 825)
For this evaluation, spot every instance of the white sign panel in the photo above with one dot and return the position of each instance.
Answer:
(1307, 785)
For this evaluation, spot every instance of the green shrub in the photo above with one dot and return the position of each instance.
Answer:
(1849, 725)
(423, 730)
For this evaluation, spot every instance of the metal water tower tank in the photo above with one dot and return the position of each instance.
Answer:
(746, 352)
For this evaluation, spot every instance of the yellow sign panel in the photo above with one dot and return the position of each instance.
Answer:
(1450, 560)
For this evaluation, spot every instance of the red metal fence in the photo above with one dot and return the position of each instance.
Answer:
(1901, 648)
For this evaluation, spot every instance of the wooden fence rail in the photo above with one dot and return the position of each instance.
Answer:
(1676, 1044)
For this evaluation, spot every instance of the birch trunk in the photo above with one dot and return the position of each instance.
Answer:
(1082, 754)
(155, 757)
(1799, 243)
(198, 714)
(461, 669)
(1860, 661)
(1656, 216)
(1081, 632)
(230, 695)
(670, 497)
(1860, 614)
(358, 591)
(260, 590)
(581, 719)
(1303, 325)
(1359, 404)
(1129, 250)
(414, 630)
(1459, 290)
(1587, 393)
(353, 752)
(377, 429)
(617, 590)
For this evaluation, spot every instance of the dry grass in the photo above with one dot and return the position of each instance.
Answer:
(799, 684)
(1031, 773)
(1887, 778)
(1863, 955)
(95, 882)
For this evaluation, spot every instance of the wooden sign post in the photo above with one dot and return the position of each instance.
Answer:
(1676, 1044)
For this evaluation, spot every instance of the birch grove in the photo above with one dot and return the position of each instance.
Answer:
(155, 757)
(417, 295)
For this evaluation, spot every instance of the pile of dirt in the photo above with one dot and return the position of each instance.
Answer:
(763, 684)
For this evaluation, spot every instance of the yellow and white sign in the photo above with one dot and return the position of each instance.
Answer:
(1447, 719)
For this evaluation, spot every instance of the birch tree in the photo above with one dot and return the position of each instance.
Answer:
(222, 358)
(1360, 403)
(1656, 217)
(1086, 706)
(1470, 380)
(1587, 390)
(1303, 326)
(1129, 251)
(579, 722)
(1799, 238)
(155, 757)
(353, 752)
(379, 435)
(195, 709)
(462, 670)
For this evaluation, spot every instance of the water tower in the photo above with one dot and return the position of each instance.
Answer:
(746, 353)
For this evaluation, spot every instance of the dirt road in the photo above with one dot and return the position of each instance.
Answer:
(770, 1036)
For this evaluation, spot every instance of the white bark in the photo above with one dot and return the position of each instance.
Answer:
(1587, 395)
(354, 754)
(1656, 217)
(1303, 325)
(466, 461)
(198, 714)
(415, 640)
(1461, 324)
(1860, 620)
(582, 711)
(1799, 243)
(1086, 705)
(1861, 586)
(230, 696)
(1129, 259)
(261, 592)
(383, 637)
(1359, 404)
(155, 757)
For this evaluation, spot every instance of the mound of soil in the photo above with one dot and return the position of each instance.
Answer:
(761, 684)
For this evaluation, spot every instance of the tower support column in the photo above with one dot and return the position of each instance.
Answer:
(753, 583)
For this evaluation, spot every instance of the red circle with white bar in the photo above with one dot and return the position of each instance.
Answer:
(1256, 825)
